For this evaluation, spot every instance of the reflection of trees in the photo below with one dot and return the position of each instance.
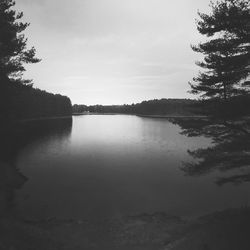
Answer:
(12, 139)
(229, 152)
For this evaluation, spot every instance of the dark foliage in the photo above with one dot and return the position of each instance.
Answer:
(229, 154)
(13, 44)
(233, 108)
(227, 55)
(25, 102)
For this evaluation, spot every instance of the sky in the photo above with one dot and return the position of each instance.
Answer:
(113, 51)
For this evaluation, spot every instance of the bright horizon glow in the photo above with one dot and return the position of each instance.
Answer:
(113, 51)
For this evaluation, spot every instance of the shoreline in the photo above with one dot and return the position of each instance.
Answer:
(146, 116)
(172, 116)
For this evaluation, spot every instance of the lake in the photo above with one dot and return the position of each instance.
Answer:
(111, 165)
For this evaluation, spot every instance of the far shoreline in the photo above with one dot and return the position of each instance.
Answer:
(142, 115)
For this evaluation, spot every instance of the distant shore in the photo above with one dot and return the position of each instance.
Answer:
(142, 115)
(172, 116)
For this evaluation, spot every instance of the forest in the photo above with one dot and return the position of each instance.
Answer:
(237, 106)
(151, 107)
(25, 102)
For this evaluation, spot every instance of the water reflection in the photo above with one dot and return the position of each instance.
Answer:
(119, 164)
(13, 138)
(229, 155)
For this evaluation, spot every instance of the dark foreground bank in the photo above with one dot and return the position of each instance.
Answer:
(226, 230)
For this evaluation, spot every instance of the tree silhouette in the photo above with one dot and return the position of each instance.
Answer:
(227, 54)
(13, 45)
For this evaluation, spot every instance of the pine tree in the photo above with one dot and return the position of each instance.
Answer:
(13, 45)
(226, 53)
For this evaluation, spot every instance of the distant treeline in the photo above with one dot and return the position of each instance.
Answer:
(233, 107)
(152, 107)
(19, 102)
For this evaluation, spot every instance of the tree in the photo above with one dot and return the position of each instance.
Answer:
(227, 53)
(13, 45)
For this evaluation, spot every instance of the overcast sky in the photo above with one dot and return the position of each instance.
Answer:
(113, 51)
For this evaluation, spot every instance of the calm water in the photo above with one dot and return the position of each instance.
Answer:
(107, 165)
